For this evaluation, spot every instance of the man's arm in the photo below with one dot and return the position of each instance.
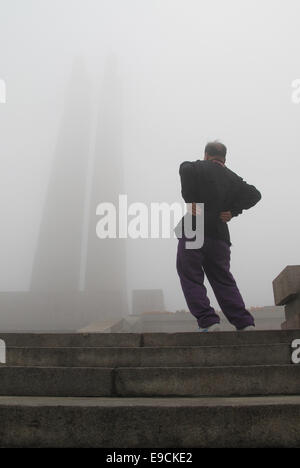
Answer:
(246, 196)
(187, 177)
(188, 187)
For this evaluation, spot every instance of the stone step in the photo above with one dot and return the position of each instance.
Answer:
(220, 338)
(150, 382)
(65, 340)
(150, 422)
(56, 381)
(176, 356)
(208, 381)
(148, 339)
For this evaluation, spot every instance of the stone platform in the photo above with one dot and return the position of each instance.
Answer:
(223, 389)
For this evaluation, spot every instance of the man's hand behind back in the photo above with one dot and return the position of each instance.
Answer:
(225, 216)
(194, 209)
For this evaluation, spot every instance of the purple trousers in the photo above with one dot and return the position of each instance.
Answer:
(213, 260)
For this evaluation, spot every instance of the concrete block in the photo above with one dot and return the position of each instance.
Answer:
(292, 313)
(147, 300)
(286, 286)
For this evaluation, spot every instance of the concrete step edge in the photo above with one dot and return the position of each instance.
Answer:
(231, 366)
(238, 345)
(164, 402)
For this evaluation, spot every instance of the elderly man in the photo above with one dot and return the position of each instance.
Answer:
(225, 195)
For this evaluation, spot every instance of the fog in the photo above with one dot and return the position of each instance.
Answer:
(108, 97)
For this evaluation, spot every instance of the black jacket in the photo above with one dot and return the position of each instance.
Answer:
(220, 189)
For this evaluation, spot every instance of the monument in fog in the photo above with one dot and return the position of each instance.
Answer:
(80, 278)
(57, 257)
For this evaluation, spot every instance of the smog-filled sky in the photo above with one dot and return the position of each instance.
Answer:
(108, 97)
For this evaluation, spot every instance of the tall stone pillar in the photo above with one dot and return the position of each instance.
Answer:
(56, 265)
(77, 278)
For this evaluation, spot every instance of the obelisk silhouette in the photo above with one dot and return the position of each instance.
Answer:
(69, 256)
(57, 258)
(106, 266)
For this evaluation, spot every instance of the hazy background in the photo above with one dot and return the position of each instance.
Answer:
(138, 86)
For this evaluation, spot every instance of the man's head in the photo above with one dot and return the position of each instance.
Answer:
(215, 150)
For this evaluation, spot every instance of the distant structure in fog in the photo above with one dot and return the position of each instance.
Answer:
(87, 170)
(105, 259)
(57, 258)
(147, 300)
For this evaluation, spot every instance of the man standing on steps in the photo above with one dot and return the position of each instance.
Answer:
(224, 195)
